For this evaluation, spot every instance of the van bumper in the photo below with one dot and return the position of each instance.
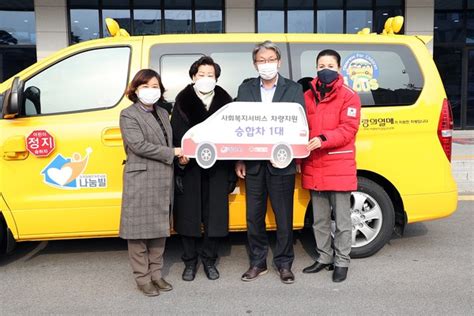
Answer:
(425, 207)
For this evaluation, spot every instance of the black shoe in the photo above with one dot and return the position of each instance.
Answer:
(317, 266)
(189, 273)
(253, 273)
(211, 271)
(339, 274)
(286, 276)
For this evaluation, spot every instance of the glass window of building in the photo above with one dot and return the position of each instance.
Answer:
(330, 18)
(470, 91)
(17, 37)
(144, 17)
(300, 16)
(449, 21)
(449, 63)
(454, 56)
(178, 16)
(17, 23)
(118, 10)
(325, 16)
(470, 25)
(385, 9)
(84, 20)
(208, 16)
(147, 17)
(358, 15)
(14, 59)
(270, 16)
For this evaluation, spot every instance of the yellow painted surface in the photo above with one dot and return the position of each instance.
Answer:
(408, 156)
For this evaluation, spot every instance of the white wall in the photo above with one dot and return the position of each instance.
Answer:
(240, 16)
(419, 18)
(51, 26)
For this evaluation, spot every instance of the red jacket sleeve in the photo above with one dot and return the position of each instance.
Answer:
(349, 119)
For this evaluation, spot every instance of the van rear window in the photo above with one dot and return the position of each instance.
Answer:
(382, 75)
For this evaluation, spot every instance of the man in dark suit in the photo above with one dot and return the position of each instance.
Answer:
(262, 178)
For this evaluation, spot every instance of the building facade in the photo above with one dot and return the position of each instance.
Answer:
(33, 29)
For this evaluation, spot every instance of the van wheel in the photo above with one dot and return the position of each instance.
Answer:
(206, 156)
(282, 155)
(373, 218)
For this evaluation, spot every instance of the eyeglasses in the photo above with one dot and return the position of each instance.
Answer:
(266, 61)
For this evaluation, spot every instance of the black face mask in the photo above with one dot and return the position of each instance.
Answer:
(327, 75)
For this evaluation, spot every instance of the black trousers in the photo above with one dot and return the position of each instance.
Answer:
(280, 189)
(205, 247)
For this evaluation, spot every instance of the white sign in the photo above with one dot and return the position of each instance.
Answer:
(249, 131)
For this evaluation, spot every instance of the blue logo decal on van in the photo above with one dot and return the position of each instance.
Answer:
(66, 173)
(360, 72)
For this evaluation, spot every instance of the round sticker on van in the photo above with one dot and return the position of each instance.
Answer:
(360, 72)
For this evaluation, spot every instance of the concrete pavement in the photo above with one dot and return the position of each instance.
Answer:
(427, 272)
(462, 161)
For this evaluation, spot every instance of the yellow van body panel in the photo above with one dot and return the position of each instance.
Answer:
(44, 212)
(406, 154)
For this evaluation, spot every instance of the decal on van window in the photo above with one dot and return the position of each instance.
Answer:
(360, 72)
(66, 173)
(40, 143)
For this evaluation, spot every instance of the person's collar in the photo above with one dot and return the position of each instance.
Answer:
(144, 108)
(274, 85)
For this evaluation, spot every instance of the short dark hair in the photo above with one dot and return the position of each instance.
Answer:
(204, 60)
(143, 76)
(329, 52)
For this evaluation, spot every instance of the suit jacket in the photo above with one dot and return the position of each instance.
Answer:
(148, 174)
(286, 91)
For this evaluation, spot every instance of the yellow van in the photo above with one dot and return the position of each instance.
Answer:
(61, 164)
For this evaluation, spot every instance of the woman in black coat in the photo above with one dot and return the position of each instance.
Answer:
(201, 196)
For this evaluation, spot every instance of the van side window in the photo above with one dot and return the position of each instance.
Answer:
(175, 73)
(92, 79)
(235, 59)
(382, 75)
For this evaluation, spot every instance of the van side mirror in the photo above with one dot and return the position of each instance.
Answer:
(13, 99)
(33, 94)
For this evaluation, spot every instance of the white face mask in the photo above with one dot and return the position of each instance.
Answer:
(268, 71)
(149, 96)
(205, 84)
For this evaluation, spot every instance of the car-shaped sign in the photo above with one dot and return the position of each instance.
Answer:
(249, 131)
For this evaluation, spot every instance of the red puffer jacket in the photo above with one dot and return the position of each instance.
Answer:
(335, 119)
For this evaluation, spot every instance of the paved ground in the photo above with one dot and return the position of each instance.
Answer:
(463, 161)
(428, 271)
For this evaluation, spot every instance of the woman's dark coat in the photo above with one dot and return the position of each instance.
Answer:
(188, 111)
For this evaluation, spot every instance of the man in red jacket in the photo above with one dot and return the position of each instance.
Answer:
(329, 172)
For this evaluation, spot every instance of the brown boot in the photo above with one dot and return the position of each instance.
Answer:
(149, 289)
(162, 285)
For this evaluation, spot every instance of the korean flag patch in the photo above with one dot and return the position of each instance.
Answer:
(351, 112)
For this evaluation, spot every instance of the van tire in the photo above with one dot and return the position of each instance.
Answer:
(372, 200)
(206, 155)
(281, 155)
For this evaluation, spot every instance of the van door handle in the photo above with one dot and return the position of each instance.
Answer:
(111, 136)
(14, 148)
